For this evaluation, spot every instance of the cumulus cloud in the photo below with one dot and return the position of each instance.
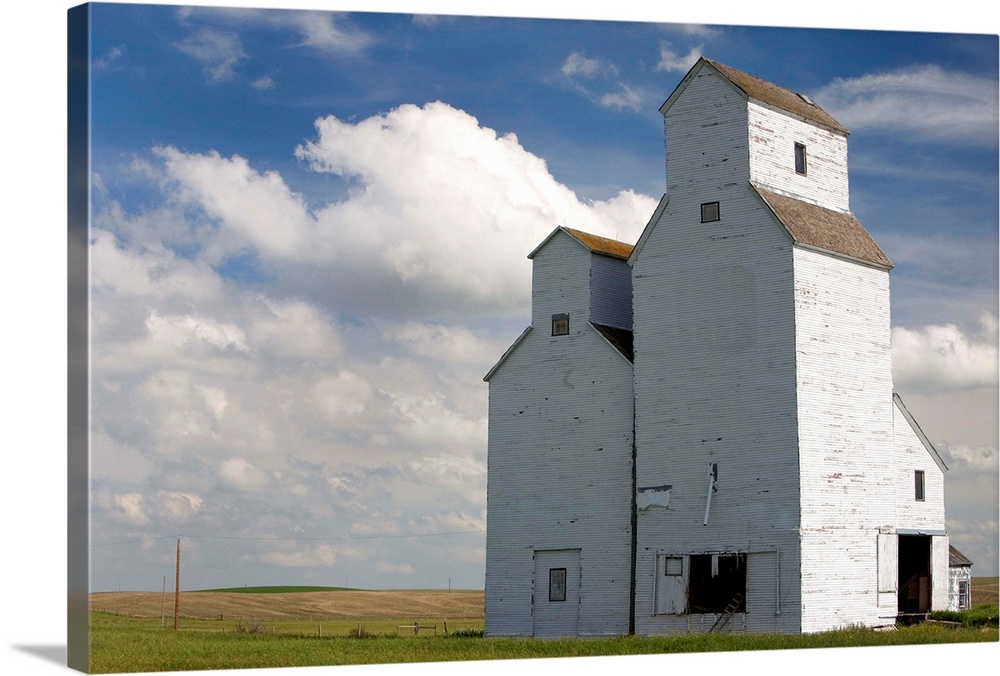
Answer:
(943, 356)
(259, 208)
(217, 52)
(178, 505)
(130, 507)
(446, 202)
(328, 355)
(671, 61)
(243, 475)
(928, 100)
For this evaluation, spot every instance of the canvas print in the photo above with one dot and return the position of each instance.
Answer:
(406, 338)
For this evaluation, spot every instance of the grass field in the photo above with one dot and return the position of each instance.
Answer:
(127, 641)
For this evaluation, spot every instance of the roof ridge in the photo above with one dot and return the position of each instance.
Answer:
(777, 96)
(599, 244)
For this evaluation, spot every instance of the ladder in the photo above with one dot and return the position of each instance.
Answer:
(727, 614)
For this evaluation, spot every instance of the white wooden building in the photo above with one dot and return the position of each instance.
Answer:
(700, 432)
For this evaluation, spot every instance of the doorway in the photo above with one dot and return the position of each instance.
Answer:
(914, 574)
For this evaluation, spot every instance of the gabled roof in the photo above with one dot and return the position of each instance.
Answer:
(509, 351)
(957, 559)
(919, 432)
(763, 91)
(824, 229)
(596, 244)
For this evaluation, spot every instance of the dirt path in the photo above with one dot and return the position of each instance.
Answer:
(301, 605)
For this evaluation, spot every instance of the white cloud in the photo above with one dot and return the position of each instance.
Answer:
(928, 100)
(217, 52)
(104, 62)
(259, 208)
(394, 568)
(309, 556)
(979, 458)
(324, 31)
(943, 356)
(578, 64)
(263, 82)
(295, 330)
(625, 97)
(443, 342)
(179, 506)
(445, 203)
(130, 507)
(671, 61)
(243, 475)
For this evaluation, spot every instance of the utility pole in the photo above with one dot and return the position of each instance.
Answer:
(177, 587)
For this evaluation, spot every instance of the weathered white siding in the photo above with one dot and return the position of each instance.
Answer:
(610, 292)
(715, 383)
(560, 460)
(910, 455)
(706, 140)
(773, 135)
(845, 413)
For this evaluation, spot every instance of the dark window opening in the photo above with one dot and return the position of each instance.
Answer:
(716, 581)
(557, 584)
(560, 325)
(800, 159)
(709, 212)
(918, 485)
(963, 594)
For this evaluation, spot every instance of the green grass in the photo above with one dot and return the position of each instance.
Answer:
(984, 615)
(120, 644)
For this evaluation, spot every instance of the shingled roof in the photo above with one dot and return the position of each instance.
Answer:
(601, 245)
(767, 93)
(825, 229)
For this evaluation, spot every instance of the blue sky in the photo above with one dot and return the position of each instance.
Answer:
(308, 246)
(214, 326)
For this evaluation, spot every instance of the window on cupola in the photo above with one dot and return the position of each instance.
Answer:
(800, 159)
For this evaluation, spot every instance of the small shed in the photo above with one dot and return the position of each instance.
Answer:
(959, 580)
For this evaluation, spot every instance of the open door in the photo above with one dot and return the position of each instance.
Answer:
(914, 574)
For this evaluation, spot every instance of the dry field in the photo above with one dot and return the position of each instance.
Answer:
(347, 605)
(322, 605)
(984, 590)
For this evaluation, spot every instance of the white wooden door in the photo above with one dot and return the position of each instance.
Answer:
(556, 593)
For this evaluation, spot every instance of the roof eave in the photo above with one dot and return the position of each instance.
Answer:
(919, 432)
(506, 354)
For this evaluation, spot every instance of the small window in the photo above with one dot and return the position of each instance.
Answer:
(800, 159)
(557, 584)
(709, 212)
(674, 565)
(918, 485)
(963, 595)
(560, 325)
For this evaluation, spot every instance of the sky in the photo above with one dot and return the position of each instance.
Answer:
(308, 245)
(566, 114)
